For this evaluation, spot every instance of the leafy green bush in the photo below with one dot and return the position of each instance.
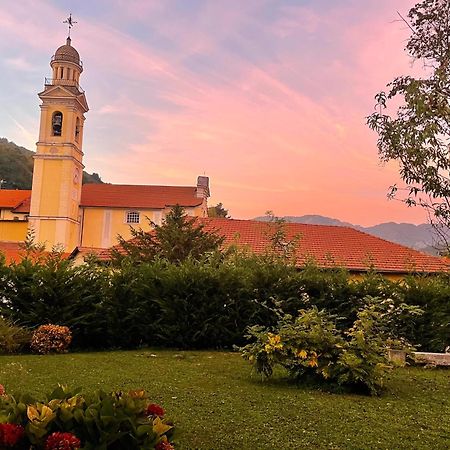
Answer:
(311, 346)
(13, 338)
(100, 420)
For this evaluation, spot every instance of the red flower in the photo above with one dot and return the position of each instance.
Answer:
(2, 390)
(164, 445)
(155, 410)
(62, 441)
(10, 434)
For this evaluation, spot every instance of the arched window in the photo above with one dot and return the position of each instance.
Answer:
(77, 129)
(132, 217)
(57, 120)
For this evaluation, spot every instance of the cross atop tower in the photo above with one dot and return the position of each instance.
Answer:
(70, 22)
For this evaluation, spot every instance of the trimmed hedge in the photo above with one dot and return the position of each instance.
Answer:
(205, 304)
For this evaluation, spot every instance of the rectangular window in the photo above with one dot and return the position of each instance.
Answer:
(132, 217)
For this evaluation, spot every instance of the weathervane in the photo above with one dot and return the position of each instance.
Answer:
(70, 22)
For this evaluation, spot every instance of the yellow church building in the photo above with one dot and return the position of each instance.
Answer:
(59, 209)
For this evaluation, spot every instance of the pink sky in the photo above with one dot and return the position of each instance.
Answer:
(267, 98)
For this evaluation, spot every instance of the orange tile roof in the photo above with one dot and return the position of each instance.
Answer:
(10, 198)
(114, 196)
(11, 251)
(24, 206)
(14, 252)
(138, 196)
(328, 246)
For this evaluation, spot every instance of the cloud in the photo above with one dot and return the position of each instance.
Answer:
(267, 98)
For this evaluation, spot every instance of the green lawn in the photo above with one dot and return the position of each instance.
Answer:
(217, 403)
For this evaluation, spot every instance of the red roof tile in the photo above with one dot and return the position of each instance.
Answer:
(23, 207)
(10, 198)
(11, 251)
(328, 246)
(14, 252)
(137, 196)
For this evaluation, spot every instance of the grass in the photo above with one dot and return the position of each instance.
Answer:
(216, 403)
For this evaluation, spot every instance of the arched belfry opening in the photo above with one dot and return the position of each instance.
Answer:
(57, 123)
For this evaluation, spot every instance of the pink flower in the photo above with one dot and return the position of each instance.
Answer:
(154, 410)
(10, 434)
(2, 390)
(62, 441)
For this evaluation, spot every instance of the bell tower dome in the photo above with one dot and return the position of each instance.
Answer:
(58, 162)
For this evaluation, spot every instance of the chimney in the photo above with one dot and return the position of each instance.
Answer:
(202, 187)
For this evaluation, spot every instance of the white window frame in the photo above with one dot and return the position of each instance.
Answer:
(132, 217)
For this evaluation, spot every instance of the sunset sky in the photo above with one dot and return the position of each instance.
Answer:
(266, 97)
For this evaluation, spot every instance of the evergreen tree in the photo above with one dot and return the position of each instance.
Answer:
(179, 237)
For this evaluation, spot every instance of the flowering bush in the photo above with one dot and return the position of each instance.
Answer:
(154, 410)
(10, 435)
(62, 441)
(51, 339)
(310, 346)
(69, 420)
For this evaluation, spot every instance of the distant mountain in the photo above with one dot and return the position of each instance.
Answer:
(419, 237)
(16, 167)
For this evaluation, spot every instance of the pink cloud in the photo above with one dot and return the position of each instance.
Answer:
(283, 129)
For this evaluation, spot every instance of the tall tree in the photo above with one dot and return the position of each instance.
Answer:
(179, 237)
(418, 134)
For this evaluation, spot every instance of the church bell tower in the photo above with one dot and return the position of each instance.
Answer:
(58, 163)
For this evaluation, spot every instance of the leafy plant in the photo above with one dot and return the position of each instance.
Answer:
(68, 419)
(13, 338)
(310, 346)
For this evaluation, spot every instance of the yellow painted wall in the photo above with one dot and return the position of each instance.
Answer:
(100, 226)
(7, 214)
(14, 231)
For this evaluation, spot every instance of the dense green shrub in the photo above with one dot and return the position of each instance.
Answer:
(50, 289)
(13, 338)
(432, 295)
(71, 420)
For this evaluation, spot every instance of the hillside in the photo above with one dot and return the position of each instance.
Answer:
(419, 237)
(16, 167)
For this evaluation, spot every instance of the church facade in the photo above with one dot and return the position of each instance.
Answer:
(59, 209)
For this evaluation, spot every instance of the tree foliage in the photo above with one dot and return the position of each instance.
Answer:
(418, 135)
(218, 211)
(179, 237)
